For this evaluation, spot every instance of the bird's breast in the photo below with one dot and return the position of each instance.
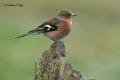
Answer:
(63, 30)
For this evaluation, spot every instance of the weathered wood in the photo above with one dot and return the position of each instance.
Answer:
(52, 65)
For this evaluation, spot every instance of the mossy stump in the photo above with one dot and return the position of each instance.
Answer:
(52, 66)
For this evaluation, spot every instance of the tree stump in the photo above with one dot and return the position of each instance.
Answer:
(52, 66)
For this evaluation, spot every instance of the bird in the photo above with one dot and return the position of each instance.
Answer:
(55, 28)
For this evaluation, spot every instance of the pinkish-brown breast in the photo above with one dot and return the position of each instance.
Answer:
(64, 30)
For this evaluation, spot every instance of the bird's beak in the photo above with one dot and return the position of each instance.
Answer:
(74, 15)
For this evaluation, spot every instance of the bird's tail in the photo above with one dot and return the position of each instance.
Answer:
(22, 35)
(32, 32)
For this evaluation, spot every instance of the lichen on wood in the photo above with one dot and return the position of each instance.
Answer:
(52, 66)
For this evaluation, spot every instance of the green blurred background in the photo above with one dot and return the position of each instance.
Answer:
(93, 47)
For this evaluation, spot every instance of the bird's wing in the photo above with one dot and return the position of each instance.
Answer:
(48, 26)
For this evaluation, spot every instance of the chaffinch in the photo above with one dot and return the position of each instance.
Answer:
(55, 28)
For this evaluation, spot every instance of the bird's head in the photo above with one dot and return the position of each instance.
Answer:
(65, 14)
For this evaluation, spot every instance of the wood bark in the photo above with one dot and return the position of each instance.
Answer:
(52, 65)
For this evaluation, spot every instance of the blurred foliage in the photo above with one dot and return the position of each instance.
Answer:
(93, 47)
